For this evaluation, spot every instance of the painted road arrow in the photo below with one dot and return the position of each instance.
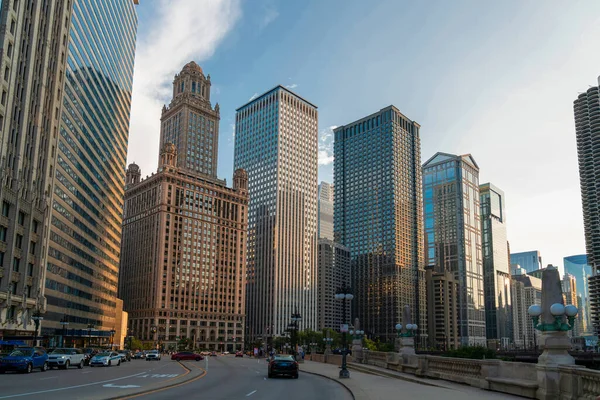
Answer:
(110, 385)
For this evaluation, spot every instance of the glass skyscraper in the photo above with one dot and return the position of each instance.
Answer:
(87, 202)
(378, 215)
(496, 266)
(276, 142)
(582, 271)
(528, 260)
(453, 235)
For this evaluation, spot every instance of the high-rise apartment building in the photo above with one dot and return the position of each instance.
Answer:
(67, 70)
(525, 291)
(87, 203)
(442, 309)
(326, 211)
(528, 260)
(496, 266)
(378, 215)
(587, 127)
(453, 235)
(183, 262)
(569, 292)
(276, 142)
(578, 267)
(334, 273)
(32, 82)
(191, 123)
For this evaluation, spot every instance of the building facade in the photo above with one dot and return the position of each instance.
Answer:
(569, 292)
(496, 266)
(587, 127)
(442, 310)
(453, 235)
(528, 260)
(578, 267)
(526, 291)
(378, 215)
(326, 211)
(276, 142)
(32, 80)
(87, 198)
(334, 273)
(191, 123)
(184, 256)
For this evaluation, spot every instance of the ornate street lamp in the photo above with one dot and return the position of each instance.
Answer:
(293, 327)
(112, 335)
(558, 311)
(410, 330)
(153, 330)
(64, 322)
(130, 334)
(36, 320)
(343, 294)
(357, 334)
(89, 328)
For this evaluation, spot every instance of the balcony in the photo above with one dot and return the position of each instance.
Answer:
(29, 281)
(15, 277)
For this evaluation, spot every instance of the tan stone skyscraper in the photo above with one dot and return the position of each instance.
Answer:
(183, 255)
(191, 123)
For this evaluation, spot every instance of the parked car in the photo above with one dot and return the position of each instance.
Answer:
(125, 355)
(139, 355)
(186, 355)
(283, 365)
(153, 355)
(106, 359)
(239, 354)
(225, 353)
(205, 353)
(64, 357)
(24, 359)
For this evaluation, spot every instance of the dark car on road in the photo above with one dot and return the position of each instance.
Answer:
(239, 354)
(186, 355)
(283, 365)
(125, 355)
(25, 359)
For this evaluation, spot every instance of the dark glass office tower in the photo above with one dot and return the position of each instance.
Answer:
(378, 215)
(87, 204)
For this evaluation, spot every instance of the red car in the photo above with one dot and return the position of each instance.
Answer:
(186, 355)
(239, 354)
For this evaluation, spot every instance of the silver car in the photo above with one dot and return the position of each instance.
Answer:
(64, 358)
(106, 359)
(153, 355)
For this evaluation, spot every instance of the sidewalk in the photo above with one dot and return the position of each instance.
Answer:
(367, 386)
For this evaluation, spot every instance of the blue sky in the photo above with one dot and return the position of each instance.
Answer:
(494, 79)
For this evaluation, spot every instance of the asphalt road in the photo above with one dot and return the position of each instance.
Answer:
(230, 378)
(217, 378)
(91, 383)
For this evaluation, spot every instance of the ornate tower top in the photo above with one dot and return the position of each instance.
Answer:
(240, 180)
(133, 174)
(168, 155)
(191, 81)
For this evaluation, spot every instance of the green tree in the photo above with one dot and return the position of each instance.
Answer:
(133, 344)
(370, 344)
(473, 352)
(148, 346)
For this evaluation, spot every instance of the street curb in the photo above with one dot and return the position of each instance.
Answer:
(331, 379)
(137, 394)
(383, 374)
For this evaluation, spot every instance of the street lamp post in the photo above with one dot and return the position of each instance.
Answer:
(112, 335)
(344, 294)
(36, 320)
(130, 334)
(64, 322)
(296, 318)
(89, 328)
(153, 330)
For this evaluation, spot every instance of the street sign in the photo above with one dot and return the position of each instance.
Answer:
(344, 328)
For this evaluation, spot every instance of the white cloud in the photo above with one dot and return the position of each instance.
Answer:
(326, 145)
(292, 86)
(255, 95)
(180, 31)
(269, 16)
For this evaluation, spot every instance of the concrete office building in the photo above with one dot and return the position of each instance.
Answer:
(334, 273)
(578, 267)
(453, 235)
(276, 142)
(587, 127)
(64, 120)
(442, 310)
(528, 260)
(326, 211)
(526, 291)
(378, 215)
(496, 266)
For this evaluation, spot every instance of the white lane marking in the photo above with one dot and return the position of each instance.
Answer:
(68, 387)
(257, 372)
(87, 372)
(265, 379)
(52, 377)
(251, 393)
(110, 385)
